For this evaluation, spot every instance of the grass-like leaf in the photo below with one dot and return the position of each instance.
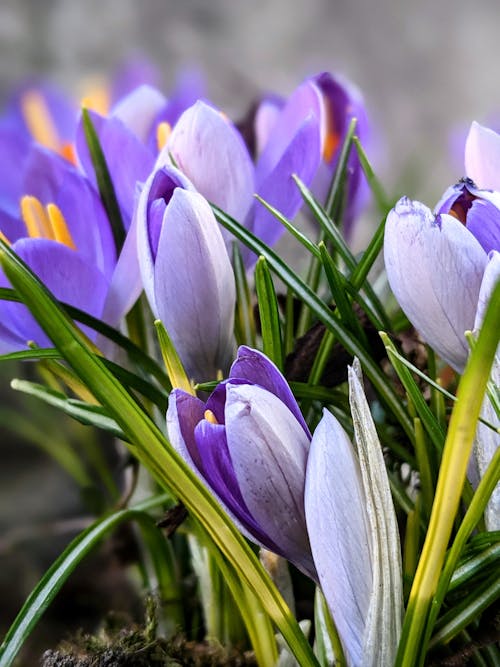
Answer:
(269, 313)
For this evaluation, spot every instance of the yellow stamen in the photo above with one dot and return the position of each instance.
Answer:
(4, 238)
(35, 218)
(210, 417)
(39, 121)
(59, 227)
(163, 132)
(96, 96)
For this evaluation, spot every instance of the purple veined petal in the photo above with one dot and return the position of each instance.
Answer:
(139, 109)
(338, 532)
(434, 267)
(482, 157)
(67, 275)
(126, 285)
(128, 160)
(483, 221)
(184, 413)
(194, 286)
(254, 367)
(303, 103)
(269, 449)
(211, 152)
(490, 279)
(159, 186)
(189, 87)
(217, 468)
(302, 157)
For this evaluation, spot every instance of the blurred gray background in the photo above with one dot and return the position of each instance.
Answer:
(426, 69)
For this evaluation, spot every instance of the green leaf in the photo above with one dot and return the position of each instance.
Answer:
(151, 448)
(385, 391)
(376, 187)
(269, 313)
(90, 415)
(335, 193)
(53, 580)
(420, 615)
(104, 182)
(244, 319)
(175, 369)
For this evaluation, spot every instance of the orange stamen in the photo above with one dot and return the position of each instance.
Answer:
(59, 226)
(38, 119)
(35, 218)
(330, 145)
(163, 132)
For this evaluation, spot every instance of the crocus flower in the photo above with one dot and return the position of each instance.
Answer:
(62, 232)
(318, 502)
(186, 272)
(210, 150)
(354, 535)
(249, 443)
(338, 102)
(435, 265)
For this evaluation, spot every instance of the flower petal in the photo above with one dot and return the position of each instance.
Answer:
(482, 157)
(210, 151)
(268, 450)
(138, 111)
(194, 285)
(490, 278)
(338, 531)
(67, 275)
(435, 267)
(254, 367)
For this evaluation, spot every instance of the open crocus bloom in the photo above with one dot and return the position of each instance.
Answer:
(62, 232)
(186, 272)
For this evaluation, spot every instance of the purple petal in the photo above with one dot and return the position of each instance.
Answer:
(338, 532)
(435, 267)
(67, 275)
(482, 157)
(210, 151)
(254, 367)
(301, 157)
(14, 149)
(131, 74)
(483, 221)
(11, 226)
(490, 279)
(138, 111)
(183, 414)
(268, 449)
(128, 160)
(194, 285)
(160, 185)
(266, 117)
(304, 102)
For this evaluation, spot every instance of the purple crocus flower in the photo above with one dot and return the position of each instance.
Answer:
(437, 262)
(338, 102)
(209, 149)
(249, 443)
(62, 232)
(319, 502)
(186, 272)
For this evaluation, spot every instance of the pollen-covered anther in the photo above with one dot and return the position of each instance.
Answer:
(210, 417)
(45, 222)
(163, 132)
(39, 120)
